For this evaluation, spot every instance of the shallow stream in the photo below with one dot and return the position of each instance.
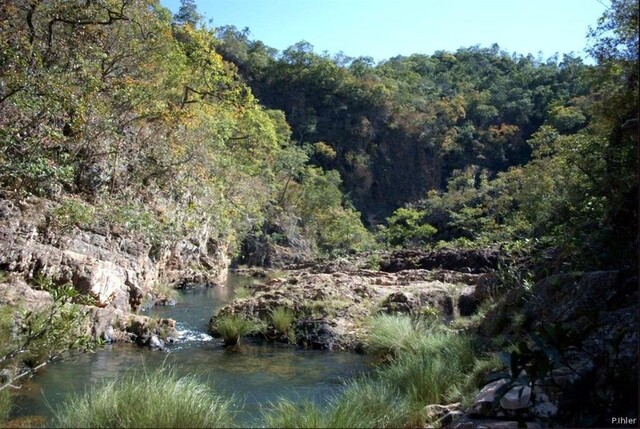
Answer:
(257, 372)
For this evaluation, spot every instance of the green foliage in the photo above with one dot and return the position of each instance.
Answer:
(162, 399)
(5, 405)
(233, 327)
(390, 334)
(364, 403)
(288, 414)
(367, 403)
(511, 276)
(405, 227)
(242, 292)
(428, 365)
(313, 195)
(281, 319)
(72, 212)
(435, 368)
(35, 336)
(187, 13)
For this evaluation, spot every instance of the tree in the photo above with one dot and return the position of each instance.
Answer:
(188, 14)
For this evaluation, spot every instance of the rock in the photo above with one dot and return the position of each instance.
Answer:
(429, 298)
(316, 334)
(467, 301)
(5, 376)
(148, 332)
(516, 398)
(330, 307)
(462, 260)
(592, 321)
(107, 324)
(485, 400)
(156, 343)
(117, 270)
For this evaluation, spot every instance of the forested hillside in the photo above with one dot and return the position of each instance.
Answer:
(132, 118)
(122, 105)
(480, 145)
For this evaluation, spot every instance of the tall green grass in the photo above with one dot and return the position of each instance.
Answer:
(368, 403)
(281, 318)
(426, 364)
(429, 363)
(389, 335)
(432, 373)
(158, 399)
(288, 414)
(365, 403)
(5, 405)
(232, 327)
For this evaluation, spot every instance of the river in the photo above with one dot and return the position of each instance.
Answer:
(257, 373)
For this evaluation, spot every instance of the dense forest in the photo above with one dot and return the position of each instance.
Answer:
(477, 145)
(184, 127)
(188, 148)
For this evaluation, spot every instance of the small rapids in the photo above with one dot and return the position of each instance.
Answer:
(256, 372)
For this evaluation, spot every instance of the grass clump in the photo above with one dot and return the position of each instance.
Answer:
(281, 319)
(389, 335)
(158, 399)
(166, 293)
(433, 372)
(428, 363)
(232, 327)
(5, 405)
(242, 292)
(288, 414)
(368, 403)
(365, 403)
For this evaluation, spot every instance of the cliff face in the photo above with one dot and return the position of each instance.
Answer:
(119, 272)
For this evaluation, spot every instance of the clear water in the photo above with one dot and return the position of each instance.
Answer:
(256, 373)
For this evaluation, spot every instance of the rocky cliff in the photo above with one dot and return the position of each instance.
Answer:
(120, 273)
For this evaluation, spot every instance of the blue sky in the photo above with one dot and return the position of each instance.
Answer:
(386, 28)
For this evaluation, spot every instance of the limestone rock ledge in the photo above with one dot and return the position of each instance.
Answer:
(118, 271)
(331, 306)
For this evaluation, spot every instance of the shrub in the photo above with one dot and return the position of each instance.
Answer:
(72, 212)
(151, 399)
(407, 227)
(232, 327)
(281, 318)
(34, 336)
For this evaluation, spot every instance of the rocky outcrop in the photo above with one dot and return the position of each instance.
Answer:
(195, 261)
(582, 336)
(462, 260)
(330, 306)
(117, 271)
(113, 270)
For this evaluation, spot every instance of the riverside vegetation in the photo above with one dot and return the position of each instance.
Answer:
(463, 206)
